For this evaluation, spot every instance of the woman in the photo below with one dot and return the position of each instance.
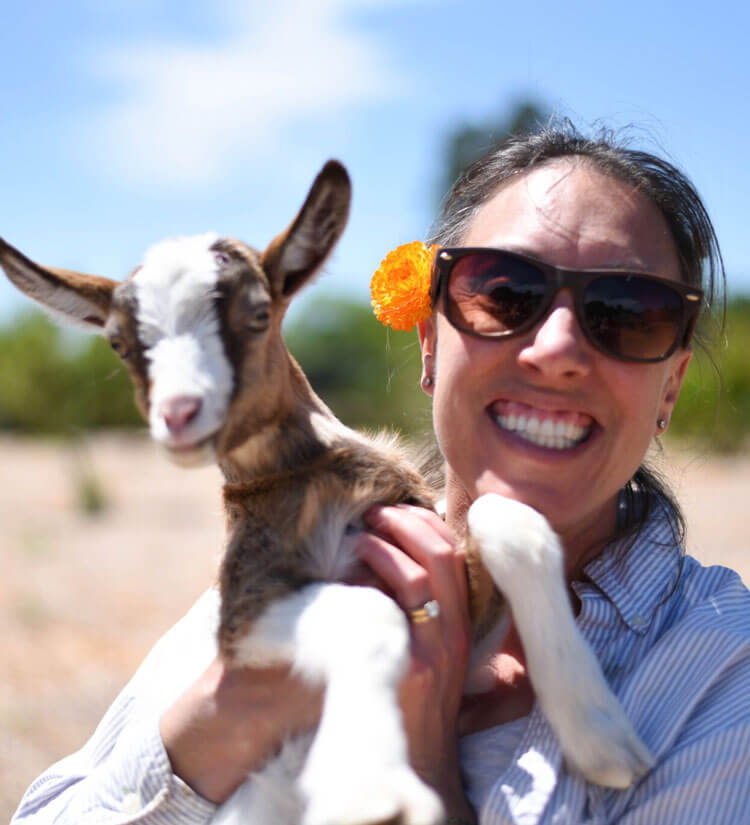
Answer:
(506, 368)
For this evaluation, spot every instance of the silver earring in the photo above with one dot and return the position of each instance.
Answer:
(661, 423)
(427, 381)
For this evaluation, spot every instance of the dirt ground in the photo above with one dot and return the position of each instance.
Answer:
(84, 597)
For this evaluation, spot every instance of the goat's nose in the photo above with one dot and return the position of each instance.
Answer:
(179, 411)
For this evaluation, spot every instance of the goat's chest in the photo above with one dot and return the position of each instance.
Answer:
(307, 532)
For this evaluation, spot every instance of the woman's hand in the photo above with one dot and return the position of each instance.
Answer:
(231, 721)
(414, 554)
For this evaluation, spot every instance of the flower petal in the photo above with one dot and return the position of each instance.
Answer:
(400, 288)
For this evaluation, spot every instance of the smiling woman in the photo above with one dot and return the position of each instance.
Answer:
(566, 288)
(568, 213)
(587, 205)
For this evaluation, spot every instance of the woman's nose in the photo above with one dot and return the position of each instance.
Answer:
(557, 347)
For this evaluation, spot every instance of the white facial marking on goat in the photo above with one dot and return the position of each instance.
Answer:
(179, 327)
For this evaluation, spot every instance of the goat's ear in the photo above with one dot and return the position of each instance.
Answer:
(295, 255)
(69, 297)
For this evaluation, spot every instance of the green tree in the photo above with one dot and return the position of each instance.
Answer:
(714, 404)
(55, 382)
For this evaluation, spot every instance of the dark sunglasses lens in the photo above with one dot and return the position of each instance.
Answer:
(493, 294)
(633, 317)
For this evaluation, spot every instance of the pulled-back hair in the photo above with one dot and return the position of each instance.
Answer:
(700, 260)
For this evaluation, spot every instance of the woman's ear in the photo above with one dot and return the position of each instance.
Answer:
(672, 386)
(427, 341)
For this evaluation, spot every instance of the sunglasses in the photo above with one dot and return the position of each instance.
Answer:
(632, 316)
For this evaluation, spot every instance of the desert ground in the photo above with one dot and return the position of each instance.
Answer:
(84, 596)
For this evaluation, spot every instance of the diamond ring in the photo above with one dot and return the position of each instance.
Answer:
(429, 610)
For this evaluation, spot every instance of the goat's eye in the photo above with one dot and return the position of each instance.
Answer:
(221, 257)
(119, 346)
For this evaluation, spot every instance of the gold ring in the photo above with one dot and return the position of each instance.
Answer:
(420, 615)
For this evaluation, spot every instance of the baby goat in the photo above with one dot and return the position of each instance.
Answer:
(198, 326)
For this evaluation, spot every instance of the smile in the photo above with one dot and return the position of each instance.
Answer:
(555, 430)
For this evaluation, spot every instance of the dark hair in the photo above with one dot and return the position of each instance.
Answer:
(669, 189)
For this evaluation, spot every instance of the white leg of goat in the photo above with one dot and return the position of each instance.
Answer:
(524, 558)
(355, 640)
(270, 795)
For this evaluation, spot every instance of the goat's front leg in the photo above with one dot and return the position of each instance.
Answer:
(355, 640)
(524, 557)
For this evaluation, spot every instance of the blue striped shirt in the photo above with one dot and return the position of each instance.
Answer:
(673, 639)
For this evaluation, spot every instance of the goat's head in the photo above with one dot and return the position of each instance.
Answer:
(198, 323)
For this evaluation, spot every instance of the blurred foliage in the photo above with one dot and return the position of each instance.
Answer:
(467, 143)
(61, 383)
(90, 492)
(367, 374)
(714, 405)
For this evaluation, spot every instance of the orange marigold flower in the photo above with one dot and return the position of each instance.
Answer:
(400, 288)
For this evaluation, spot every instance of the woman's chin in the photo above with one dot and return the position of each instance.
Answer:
(545, 499)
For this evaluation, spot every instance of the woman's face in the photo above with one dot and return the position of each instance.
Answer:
(570, 215)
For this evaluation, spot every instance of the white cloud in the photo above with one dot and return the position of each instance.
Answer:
(187, 111)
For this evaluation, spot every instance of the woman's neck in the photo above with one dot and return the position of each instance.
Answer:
(582, 539)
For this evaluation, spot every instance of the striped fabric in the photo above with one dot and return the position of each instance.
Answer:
(122, 775)
(673, 639)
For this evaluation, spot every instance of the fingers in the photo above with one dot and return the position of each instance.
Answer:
(415, 553)
(404, 579)
(434, 544)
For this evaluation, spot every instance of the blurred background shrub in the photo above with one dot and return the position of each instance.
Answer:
(55, 382)
(714, 405)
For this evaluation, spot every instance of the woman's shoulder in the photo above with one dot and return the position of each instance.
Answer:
(688, 698)
(713, 596)
(703, 624)
(671, 591)
(689, 630)
(684, 673)
(701, 641)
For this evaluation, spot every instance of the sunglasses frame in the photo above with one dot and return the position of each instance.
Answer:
(557, 278)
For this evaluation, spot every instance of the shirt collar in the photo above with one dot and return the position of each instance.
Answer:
(637, 572)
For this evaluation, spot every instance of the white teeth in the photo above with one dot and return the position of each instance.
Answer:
(557, 435)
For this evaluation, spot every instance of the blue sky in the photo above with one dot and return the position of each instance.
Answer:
(126, 121)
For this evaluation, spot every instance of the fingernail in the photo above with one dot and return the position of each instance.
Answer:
(374, 515)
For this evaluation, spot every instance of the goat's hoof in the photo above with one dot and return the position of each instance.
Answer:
(606, 750)
(393, 796)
